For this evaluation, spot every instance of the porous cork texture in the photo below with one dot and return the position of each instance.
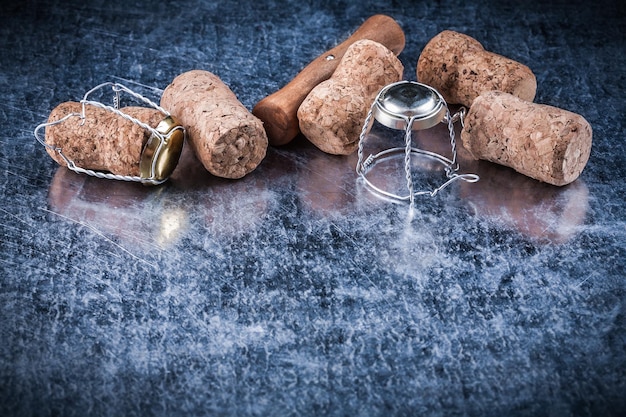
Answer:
(332, 115)
(103, 140)
(460, 68)
(228, 140)
(543, 142)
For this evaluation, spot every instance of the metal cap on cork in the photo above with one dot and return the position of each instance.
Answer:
(160, 155)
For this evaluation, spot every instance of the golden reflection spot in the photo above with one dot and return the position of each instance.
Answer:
(173, 222)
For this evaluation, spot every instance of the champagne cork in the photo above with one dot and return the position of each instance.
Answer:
(279, 110)
(228, 140)
(543, 142)
(332, 115)
(102, 141)
(460, 68)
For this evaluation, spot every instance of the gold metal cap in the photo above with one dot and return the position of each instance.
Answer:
(160, 157)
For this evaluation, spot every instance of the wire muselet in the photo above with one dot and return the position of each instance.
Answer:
(160, 154)
(408, 106)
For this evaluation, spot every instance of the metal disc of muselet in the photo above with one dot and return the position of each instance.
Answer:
(159, 158)
(399, 103)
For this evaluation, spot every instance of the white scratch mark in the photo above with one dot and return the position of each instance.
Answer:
(99, 233)
(14, 216)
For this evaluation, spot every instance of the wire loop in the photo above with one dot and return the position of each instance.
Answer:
(117, 88)
(450, 166)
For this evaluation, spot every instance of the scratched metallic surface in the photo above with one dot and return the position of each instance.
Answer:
(295, 291)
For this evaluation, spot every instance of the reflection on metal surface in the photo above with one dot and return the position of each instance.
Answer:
(224, 207)
(537, 210)
(173, 222)
(327, 186)
(194, 204)
(130, 213)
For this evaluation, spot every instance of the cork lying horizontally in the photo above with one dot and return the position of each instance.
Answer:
(228, 140)
(460, 68)
(332, 115)
(102, 141)
(543, 142)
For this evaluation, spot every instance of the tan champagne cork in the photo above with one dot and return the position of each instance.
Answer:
(228, 140)
(102, 141)
(279, 110)
(332, 115)
(543, 142)
(460, 68)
